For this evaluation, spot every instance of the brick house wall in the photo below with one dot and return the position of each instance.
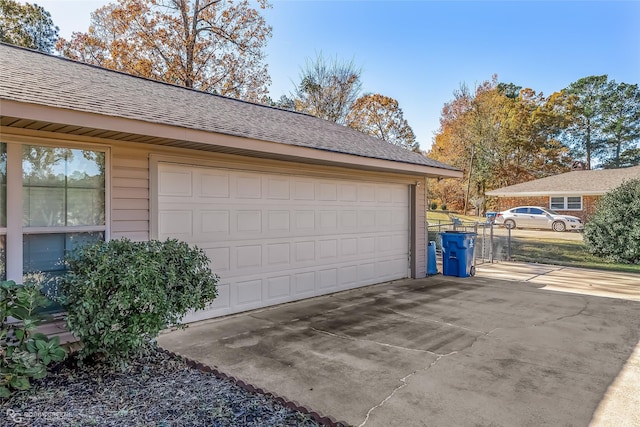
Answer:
(589, 204)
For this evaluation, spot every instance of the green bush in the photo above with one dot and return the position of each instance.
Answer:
(443, 207)
(24, 354)
(120, 294)
(434, 206)
(613, 232)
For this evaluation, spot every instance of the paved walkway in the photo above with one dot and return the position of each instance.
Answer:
(567, 279)
(620, 406)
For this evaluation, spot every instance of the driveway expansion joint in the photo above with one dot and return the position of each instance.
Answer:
(426, 319)
(347, 337)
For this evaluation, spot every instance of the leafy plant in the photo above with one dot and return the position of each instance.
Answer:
(120, 294)
(444, 207)
(24, 354)
(613, 232)
(434, 206)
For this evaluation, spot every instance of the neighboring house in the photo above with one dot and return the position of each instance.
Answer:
(287, 206)
(573, 193)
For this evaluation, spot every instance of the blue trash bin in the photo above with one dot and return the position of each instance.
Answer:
(457, 253)
(432, 268)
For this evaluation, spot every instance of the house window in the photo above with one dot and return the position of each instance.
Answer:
(574, 203)
(63, 201)
(52, 199)
(566, 203)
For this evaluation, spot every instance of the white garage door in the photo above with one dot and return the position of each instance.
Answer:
(275, 238)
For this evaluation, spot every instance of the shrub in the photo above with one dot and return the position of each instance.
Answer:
(443, 207)
(613, 232)
(24, 354)
(434, 206)
(120, 294)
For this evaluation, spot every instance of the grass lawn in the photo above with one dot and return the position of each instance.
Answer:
(562, 252)
(437, 217)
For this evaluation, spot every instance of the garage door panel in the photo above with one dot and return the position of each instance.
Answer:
(366, 272)
(248, 222)
(248, 257)
(305, 221)
(220, 258)
(177, 183)
(278, 254)
(327, 279)
(276, 238)
(278, 288)
(383, 195)
(304, 284)
(176, 224)
(215, 223)
(348, 220)
(304, 251)
(366, 193)
(349, 247)
(278, 221)
(214, 185)
(366, 245)
(348, 192)
(303, 190)
(277, 188)
(248, 187)
(248, 292)
(348, 275)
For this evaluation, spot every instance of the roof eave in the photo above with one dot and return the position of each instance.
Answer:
(208, 141)
(545, 193)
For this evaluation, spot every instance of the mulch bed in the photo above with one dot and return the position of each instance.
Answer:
(158, 390)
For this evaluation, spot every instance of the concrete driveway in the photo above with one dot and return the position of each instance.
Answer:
(440, 351)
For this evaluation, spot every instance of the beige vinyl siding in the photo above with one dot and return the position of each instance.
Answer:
(129, 193)
(419, 236)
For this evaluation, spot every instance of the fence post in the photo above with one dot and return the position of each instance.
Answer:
(509, 244)
(475, 252)
(491, 244)
(484, 244)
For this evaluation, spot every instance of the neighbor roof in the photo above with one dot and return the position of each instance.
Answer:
(582, 182)
(36, 78)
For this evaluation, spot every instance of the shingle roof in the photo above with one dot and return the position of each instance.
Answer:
(33, 77)
(587, 182)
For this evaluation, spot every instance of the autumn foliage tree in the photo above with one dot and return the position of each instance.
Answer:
(498, 135)
(380, 116)
(209, 45)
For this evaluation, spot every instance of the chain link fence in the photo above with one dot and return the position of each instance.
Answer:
(489, 246)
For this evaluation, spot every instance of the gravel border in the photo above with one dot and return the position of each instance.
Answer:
(159, 390)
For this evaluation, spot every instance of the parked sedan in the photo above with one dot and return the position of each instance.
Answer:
(537, 217)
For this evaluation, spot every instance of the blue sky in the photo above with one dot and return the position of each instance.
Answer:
(419, 52)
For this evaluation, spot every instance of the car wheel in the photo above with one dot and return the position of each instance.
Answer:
(510, 224)
(559, 226)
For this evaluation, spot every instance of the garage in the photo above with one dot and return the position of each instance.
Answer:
(274, 237)
(288, 206)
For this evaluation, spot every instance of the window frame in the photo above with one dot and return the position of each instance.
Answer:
(15, 230)
(565, 203)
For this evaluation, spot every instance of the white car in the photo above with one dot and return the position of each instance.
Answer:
(537, 217)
